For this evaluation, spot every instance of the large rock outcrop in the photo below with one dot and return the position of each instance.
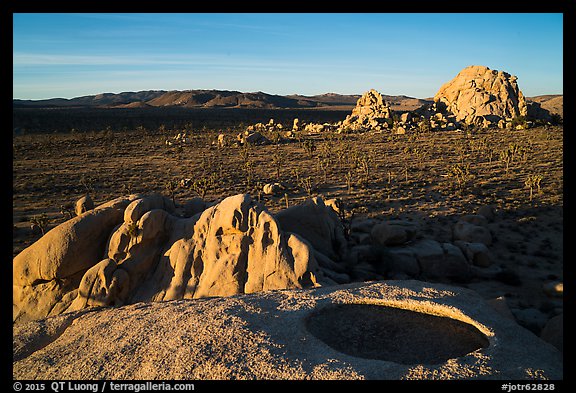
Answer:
(135, 249)
(318, 224)
(479, 95)
(47, 274)
(371, 112)
(385, 330)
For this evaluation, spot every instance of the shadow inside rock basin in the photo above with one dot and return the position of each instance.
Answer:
(393, 334)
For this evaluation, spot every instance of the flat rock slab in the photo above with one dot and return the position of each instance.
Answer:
(380, 330)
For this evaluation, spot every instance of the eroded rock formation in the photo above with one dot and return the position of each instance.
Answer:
(371, 112)
(481, 96)
(135, 249)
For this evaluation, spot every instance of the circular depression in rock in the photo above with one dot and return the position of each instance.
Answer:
(394, 334)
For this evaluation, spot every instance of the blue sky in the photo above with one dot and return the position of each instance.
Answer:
(71, 55)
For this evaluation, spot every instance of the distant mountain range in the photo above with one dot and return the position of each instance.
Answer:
(236, 99)
(207, 99)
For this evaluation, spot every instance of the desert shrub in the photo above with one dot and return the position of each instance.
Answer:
(40, 222)
(126, 188)
(460, 175)
(309, 146)
(307, 185)
(133, 229)
(519, 121)
(424, 125)
(202, 185)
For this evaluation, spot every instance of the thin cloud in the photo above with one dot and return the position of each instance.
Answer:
(39, 59)
(211, 61)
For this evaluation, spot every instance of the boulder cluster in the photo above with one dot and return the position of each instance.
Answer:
(371, 112)
(396, 249)
(143, 248)
(477, 96)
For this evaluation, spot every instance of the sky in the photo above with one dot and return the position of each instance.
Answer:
(72, 55)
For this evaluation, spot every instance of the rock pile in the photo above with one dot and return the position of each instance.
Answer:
(178, 140)
(395, 249)
(141, 248)
(371, 112)
(481, 96)
(258, 134)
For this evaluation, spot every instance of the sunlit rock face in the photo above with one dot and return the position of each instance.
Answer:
(479, 95)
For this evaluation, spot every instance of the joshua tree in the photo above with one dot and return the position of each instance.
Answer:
(275, 137)
(324, 164)
(202, 185)
(389, 177)
(245, 152)
(67, 211)
(506, 156)
(531, 182)
(296, 174)
(365, 163)
(278, 160)
(512, 152)
(307, 184)
(248, 173)
(348, 176)
(309, 146)
(406, 168)
(170, 186)
(40, 222)
(87, 182)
